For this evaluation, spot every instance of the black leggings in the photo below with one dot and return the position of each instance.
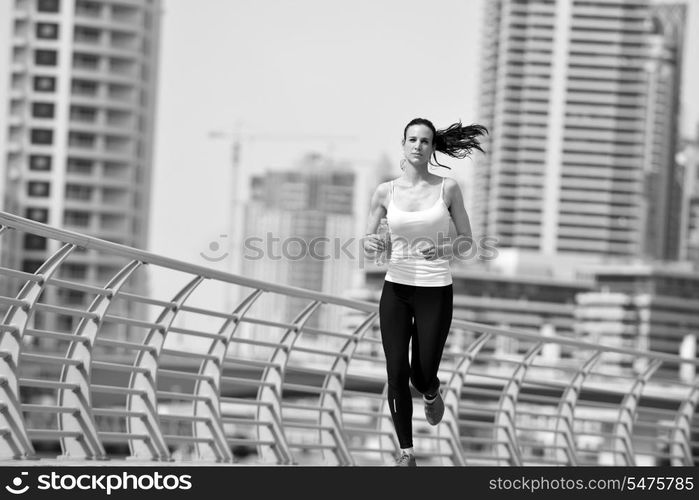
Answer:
(422, 314)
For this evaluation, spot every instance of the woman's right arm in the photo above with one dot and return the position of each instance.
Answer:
(377, 211)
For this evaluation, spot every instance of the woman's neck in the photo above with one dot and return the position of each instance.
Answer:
(415, 175)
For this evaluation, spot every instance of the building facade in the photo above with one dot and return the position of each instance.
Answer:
(581, 100)
(643, 307)
(688, 160)
(296, 222)
(78, 88)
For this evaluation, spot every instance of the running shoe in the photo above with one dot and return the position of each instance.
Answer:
(434, 410)
(406, 460)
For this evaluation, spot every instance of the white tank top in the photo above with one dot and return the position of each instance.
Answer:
(411, 231)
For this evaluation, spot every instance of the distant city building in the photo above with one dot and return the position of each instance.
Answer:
(688, 160)
(643, 307)
(296, 222)
(77, 94)
(581, 100)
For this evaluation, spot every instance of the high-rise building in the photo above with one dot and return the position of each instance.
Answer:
(77, 96)
(296, 222)
(581, 100)
(688, 160)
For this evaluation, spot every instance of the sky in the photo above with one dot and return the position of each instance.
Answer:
(353, 70)
(356, 70)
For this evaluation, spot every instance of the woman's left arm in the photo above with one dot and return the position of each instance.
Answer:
(455, 202)
(463, 242)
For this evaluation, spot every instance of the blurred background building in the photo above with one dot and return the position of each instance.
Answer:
(582, 102)
(78, 86)
(296, 221)
(688, 161)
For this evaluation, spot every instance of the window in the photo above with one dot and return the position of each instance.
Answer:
(44, 57)
(87, 8)
(47, 5)
(75, 271)
(105, 273)
(39, 162)
(76, 218)
(84, 87)
(86, 34)
(39, 189)
(125, 14)
(31, 266)
(19, 55)
(81, 140)
(83, 113)
(34, 242)
(116, 170)
(78, 192)
(44, 83)
(114, 196)
(79, 166)
(43, 110)
(72, 297)
(65, 323)
(37, 214)
(41, 136)
(47, 31)
(85, 61)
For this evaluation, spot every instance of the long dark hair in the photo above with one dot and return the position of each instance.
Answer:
(456, 140)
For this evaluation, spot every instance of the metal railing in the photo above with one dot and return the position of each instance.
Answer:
(94, 367)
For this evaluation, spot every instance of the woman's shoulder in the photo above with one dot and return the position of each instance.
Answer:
(381, 193)
(383, 188)
(452, 190)
(450, 184)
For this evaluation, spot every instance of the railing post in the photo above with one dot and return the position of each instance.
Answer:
(16, 442)
(82, 419)
(505, 420)
(623, 445)
(147, 403)
(218, 449)
(331, 397)
(681, 437)
(270, 391)
(452, 397)
(566, 409)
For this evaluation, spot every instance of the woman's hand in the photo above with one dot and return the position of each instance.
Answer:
(373, 243)
(433, 252)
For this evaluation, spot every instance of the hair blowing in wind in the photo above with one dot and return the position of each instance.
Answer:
(457, 140)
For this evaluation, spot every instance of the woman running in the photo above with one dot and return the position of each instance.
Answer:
(417, 296)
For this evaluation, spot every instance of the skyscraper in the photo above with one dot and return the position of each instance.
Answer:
(296, 221)
(77, 97)
(581, 99)
(688, 159)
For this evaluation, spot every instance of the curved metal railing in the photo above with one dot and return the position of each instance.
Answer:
(93, 367)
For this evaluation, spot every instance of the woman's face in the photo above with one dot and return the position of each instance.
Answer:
(417, 145)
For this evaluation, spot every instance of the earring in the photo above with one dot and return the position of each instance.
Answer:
(402, 164)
